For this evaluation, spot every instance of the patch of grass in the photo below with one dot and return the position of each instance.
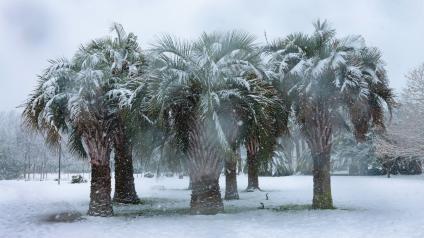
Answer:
(235, 209)
(149, 207)
(150, 212)
(306, 207)
(148, 201)
(293, 207)
(181, 211)
(139, 202)
(346, 209)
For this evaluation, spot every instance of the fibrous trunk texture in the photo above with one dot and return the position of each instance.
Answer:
(124, 172)
(205, 163)
(318, 134)
(231, 192)
(99, 150)
(206, 197)
(322, 183)
(100, 200)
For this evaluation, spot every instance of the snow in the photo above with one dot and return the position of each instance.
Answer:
(367, 207)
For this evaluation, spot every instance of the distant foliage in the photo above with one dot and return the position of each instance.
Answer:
(10, 168)
(24, 155)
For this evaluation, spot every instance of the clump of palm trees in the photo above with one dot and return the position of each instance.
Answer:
(207, 97)
(82, 98)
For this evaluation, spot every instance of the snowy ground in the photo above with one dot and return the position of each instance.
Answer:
(367, 207)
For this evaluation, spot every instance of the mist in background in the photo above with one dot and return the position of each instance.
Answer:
(31, 32)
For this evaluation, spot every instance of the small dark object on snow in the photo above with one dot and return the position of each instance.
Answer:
(71, 216)
(181, 176)
(169, 174)
(266, 196)
(262, 206)
(149, 175)
(78, 179)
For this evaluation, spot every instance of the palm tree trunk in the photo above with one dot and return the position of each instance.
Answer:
(124, 172)
(100, 199)
(322, 182)
(231, 192)
(252, 167)
(206, 196)
(318, 135)
(205, 163)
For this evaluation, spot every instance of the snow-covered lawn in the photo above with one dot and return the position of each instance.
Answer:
(367, 207)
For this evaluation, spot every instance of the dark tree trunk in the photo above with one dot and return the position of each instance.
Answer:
(100, 201)
(252, 171)
(124, 172)
(98, 147)
(322, 182)
(206, 197)
(231, 192)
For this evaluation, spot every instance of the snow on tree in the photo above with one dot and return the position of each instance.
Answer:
(325, 78)
(405, 134)
(193, 87)
(82, 98)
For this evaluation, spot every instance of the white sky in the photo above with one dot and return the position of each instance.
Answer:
(31, 32)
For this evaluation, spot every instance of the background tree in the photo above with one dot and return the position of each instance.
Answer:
(402, 145)
(250, 119)
(261, 132)
(24, 154)
(327, 80)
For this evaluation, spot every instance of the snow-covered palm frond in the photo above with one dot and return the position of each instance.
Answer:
(121, 95)
(205, 77)
(82, 92)
(56, 66)
(320, 69)
(168, 46)
(228, 94)
(92, 60)
(120, 32)
(323, 31)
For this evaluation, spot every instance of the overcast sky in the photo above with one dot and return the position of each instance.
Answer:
(31, 32)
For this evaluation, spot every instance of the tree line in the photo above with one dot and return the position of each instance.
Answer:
(23, 154)
(201, 99)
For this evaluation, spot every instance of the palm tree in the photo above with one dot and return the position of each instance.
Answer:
(126, 60)
(70, 99)
(261, 134)
(249, 119)
(325, 81)
(78, 98)
(190, 85)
